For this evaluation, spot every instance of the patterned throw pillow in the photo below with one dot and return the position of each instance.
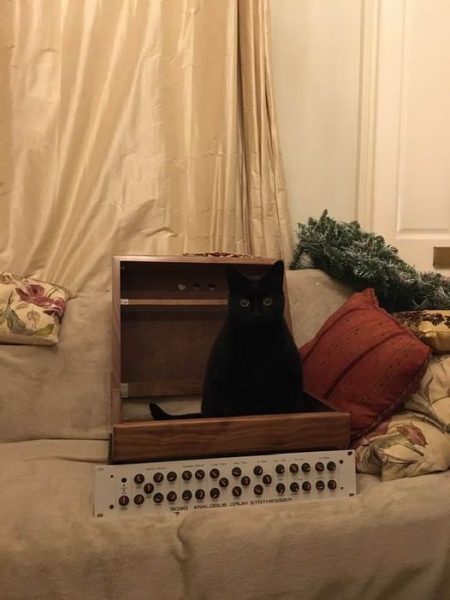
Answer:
(432, 327)
(31, 311)
(362, 361)
(432, 397)
(406, 445)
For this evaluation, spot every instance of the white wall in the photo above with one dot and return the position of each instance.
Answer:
(316, 52)
(362, 90)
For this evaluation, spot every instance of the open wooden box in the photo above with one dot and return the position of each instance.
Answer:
(167, 312)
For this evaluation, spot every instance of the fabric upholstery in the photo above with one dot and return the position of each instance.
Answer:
(66, 392)
(389, 541)
(61, 391)
(313, 297)
(51, 545)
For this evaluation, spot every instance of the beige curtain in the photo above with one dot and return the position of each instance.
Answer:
(136, 127)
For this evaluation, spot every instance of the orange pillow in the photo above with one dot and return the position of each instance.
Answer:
(362, 361)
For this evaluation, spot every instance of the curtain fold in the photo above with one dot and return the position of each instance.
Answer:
(267, 219)
(136, 127)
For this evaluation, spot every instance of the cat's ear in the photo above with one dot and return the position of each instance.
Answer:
(275, 275)
(236, 281)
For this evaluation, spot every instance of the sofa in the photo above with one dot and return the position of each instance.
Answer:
(390, 541)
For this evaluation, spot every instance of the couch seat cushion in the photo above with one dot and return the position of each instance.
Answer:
(390, 541)
(51, 545)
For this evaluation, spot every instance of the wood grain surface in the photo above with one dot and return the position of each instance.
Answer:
(189, 438)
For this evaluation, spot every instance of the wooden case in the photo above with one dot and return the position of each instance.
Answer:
(167, 312)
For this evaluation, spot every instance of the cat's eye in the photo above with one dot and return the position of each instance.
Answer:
(267, 301)
(244, 302)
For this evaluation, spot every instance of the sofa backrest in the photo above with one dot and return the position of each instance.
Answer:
(60, 391)
(64, 391)
(313, 297)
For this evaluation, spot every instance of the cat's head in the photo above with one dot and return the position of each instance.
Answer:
(256, 300)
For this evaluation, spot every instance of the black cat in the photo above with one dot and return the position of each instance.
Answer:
(254, 367)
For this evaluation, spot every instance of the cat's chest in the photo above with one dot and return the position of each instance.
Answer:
(261, 359)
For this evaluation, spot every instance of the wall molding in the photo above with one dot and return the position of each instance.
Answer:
(368, 81)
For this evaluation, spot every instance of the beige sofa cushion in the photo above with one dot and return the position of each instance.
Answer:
(52, 547)
(60, 391)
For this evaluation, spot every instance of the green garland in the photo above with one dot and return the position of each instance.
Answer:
(360, 260)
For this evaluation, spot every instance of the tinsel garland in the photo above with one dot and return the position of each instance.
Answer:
(361, 259)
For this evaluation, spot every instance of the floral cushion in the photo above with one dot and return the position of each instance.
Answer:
(432, 327)
(417, 439)
(432, 398)
(31, 311)
(406, 445)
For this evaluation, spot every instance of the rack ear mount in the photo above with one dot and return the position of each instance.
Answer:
(167, 311)
(189, 485)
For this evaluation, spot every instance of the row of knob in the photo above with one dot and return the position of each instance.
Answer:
(236, 491)
(223, 483)
(200, 474)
